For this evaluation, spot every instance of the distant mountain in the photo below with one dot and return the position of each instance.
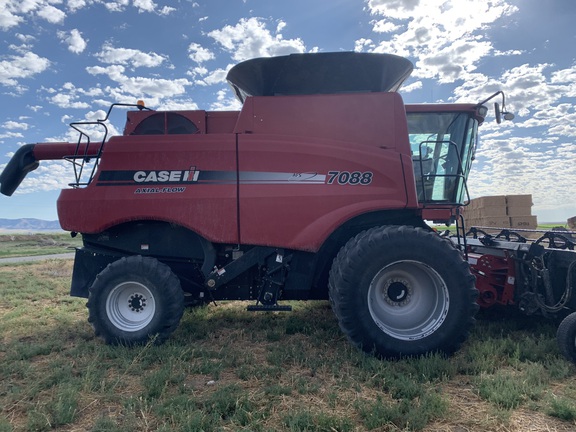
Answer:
(29, 224)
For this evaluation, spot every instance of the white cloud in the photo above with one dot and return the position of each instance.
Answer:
(453, 62)
(50, 175)
(150, 6)
(384, 26)
(67, 101)
(16, 68)
(199, 54)
(364, 44)
(154, 90)
(199, 70)
(127, 56)
(75, 5)
(116, 6)
(225, 101)
(398, 9)
(71, 97)
(166, 10)
(217, 76)
(250, 38)
(8, 18)
(11, 135)
(51, 14)
(74, 39)
(508, 53)
(446, 38)
(417, 85)
(145, 5)
(25, 38)
(20, 49)
(11, 125)
(178, 105)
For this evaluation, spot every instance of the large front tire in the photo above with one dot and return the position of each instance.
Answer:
(402, 291)
(135, 299)
(566, 337)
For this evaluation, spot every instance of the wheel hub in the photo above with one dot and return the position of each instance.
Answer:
(397, 292)
(137, 302)
(130, 306)
(408, 300)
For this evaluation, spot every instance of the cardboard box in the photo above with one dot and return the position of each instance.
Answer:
(524, 222)
(471, 222)
(519, 200)
(519, 211)
(492, 211)
(496, 222)
(491, 201)
(465, 211)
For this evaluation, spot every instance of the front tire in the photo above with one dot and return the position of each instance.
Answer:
(135, 299)
(566, 337)
(402, 291)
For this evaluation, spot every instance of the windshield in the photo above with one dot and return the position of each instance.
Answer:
(442, 147)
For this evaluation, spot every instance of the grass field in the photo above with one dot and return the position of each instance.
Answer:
(226, 369)
(16, 245)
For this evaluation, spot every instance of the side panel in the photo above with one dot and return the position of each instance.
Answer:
(372, 119)
(295, 191)
(189, 180)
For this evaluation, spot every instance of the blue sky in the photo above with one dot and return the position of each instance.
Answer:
(67, 60)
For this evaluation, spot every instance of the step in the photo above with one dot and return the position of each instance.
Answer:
(268, 308)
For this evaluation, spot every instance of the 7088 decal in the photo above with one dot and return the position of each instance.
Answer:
(350, 178)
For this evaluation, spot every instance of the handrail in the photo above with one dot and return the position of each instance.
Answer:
(83, 156)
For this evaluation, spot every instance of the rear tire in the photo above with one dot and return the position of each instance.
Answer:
(135, 299)
(402, 291)
(566, 337)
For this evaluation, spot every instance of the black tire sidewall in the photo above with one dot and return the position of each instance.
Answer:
(566, 337)
(375, 249)
(157, 278)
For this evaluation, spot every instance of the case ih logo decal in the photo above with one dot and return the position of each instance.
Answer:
(166, 176)
(148, 178)
(148, 181)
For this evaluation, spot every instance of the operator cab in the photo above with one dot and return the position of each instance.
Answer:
(442, 140)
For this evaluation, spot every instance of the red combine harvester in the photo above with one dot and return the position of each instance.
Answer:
(319, 187)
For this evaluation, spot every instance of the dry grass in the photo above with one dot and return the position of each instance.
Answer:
(16, 245)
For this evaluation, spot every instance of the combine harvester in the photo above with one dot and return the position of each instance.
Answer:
(319, 187)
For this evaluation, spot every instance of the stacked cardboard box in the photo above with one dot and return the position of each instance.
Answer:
(519, 209)
(501, 211)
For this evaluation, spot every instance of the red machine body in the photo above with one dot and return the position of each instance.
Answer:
(495, 278)
(270, 165)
